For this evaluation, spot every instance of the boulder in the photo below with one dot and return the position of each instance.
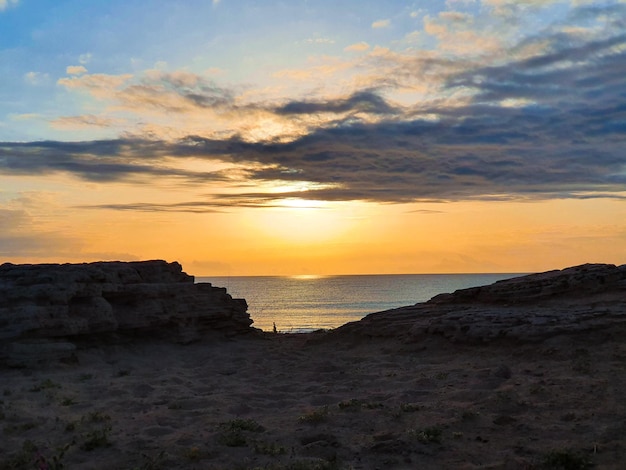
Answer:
(42, 303)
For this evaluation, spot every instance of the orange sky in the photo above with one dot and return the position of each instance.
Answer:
(325, 137)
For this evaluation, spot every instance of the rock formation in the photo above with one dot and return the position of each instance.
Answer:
(46, 308)
(587, 299)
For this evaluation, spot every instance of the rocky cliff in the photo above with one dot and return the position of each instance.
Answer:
(586, 299)
(45, 308)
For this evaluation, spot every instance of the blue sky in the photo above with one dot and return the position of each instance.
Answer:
(200, 107)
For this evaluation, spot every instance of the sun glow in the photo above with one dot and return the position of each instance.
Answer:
(298, 222)
(306, 277)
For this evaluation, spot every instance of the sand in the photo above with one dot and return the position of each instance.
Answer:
(313, 402)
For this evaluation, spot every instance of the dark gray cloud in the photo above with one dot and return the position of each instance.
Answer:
(213, 203)
(184, 90)
(548, 126)
(362, 101)
(98, 161)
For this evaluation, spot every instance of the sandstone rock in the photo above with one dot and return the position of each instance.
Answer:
(587, 299)
(66, 302)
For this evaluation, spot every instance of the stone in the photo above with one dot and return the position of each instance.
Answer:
(41, 304)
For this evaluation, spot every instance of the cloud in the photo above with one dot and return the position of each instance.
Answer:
(24, 117)
(357, 47)
(540, 118)
(320, 41)
(99, 85)
(85, 58)
(75, 70)
(193, 207)
(381, 24)
(36, 78)
(514, 8)
(363, 101)
(98, 161)
(169, 92)
(4, 4)
(457, 33)
(85, 121)
(547, 125)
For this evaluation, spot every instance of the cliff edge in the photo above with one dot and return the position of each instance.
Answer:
(46, 308)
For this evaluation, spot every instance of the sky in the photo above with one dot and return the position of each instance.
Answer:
(248, 137)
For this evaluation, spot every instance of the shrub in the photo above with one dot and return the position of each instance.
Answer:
(565, 460)
(314, 417)
(428, 435)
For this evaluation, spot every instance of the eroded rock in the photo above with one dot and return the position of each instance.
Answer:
(586, 299)
(46, 303)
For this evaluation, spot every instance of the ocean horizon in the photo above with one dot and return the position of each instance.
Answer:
(306, 303)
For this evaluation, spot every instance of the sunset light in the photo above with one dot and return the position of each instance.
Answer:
(321, 138)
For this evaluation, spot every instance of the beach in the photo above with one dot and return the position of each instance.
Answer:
(310, 401)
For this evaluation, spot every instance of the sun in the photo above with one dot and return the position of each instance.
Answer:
(301, 222)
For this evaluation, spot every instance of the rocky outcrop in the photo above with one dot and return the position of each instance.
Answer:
(48, 307)
(585, 299)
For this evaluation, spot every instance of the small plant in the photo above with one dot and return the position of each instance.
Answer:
(441, 375)
(469, 415)
(123, 373)
(45, 385)
(581, 362)
(409, 407)
(68, 401)
(96, 417)
(6, 392)
(244, 425)
(175, 406)
(312, 465)
(315, 417)
(85, 377)
(565, 460)
(53, 463)
(372, 405)
(193, 454)
(270, 449)
(19, 429)
(23, 459)
(350, 405)
(152, 463)
(96, 439)
(536, 389)
(232, 438)
(428, 435)
(232, 432)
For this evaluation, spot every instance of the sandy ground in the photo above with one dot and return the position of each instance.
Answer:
(309, 402)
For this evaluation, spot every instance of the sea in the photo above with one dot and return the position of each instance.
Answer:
(306, 303)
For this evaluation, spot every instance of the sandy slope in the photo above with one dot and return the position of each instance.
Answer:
(310, 401)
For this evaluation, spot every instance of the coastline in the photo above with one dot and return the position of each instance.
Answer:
(523, 374)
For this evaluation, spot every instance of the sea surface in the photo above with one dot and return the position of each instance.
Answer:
(306, 303)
